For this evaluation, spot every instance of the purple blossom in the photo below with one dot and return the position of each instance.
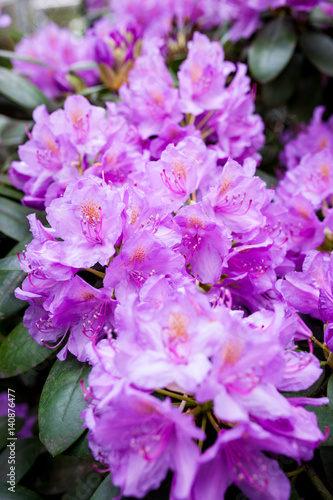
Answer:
(58, 50)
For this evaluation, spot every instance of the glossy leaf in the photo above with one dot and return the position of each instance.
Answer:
(61, 404)
(272, 50)
(80, 448)
(19, 352)
(10, 263)
(325, 420)
(16, 88)
(318, 48)
(20, 493)
(7, 54)
(330, 392)
(278, 91)
(106, 491)
(26, 452)
(13, 219)
(9, 304)
(326, 455)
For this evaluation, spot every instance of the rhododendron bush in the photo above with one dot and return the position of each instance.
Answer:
(166, 218)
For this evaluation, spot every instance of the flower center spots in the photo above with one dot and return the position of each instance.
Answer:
(139, 255)
(196, 73)
(303, 211)
(51, 145)
(178, 168)
(134, 215)
(323, 143)
(145, 408)
(86, 296)
(231, 352)
(178, 324)
(157, 98)
(324, 170)
(90, 212)
(111, 158)
(195, 222)
(225, 185)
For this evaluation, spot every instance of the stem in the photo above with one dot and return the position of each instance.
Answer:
(93, 271)
(323, 346)
(205, 134)
(176, 396)
(212, 421)
(190, 119)
(203, 427)
(205, 119)
(325, 494)
(296, 471)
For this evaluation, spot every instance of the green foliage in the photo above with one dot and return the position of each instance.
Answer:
(318, 48)
(19, 352)
(16, 88)
(271, 50)
(61, 404)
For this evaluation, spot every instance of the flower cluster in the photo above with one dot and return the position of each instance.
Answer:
(170, 267)
(57, 50)
(216, 118)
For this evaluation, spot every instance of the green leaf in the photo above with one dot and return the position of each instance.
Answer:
(19, 352)
(10, 192)
(9, 280)
(61, 404)
(13, 219)
(7, 54)
(4, 429)
(325, 419)
(10, 263)
(272, 50)
(330, 392)
(326, 455)
(106, 491)
(318, 48)
(20, 493)
(80, 448)
(278, 91)
(9, 304)
(16, 88)
(264, 176)
(66, 474)
(83, 65)
(26, 452)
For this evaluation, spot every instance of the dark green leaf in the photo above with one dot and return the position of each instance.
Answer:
(61, 404)
(26, 452)
(269, 179)
(83, 65)
(9, 304)
(106, 490)
(272, 49)
(278, 91)
(318, 48)
(80, 448)
(13, 219)
(7, 54)
(9, 280)
(19, 352)
(326, 455)
(325, 420)
(16, 88)
(10, 263)
(330, 392)
(294, 495)
(4, 429)
(10, 192)
(64, 473)
(20, 493)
